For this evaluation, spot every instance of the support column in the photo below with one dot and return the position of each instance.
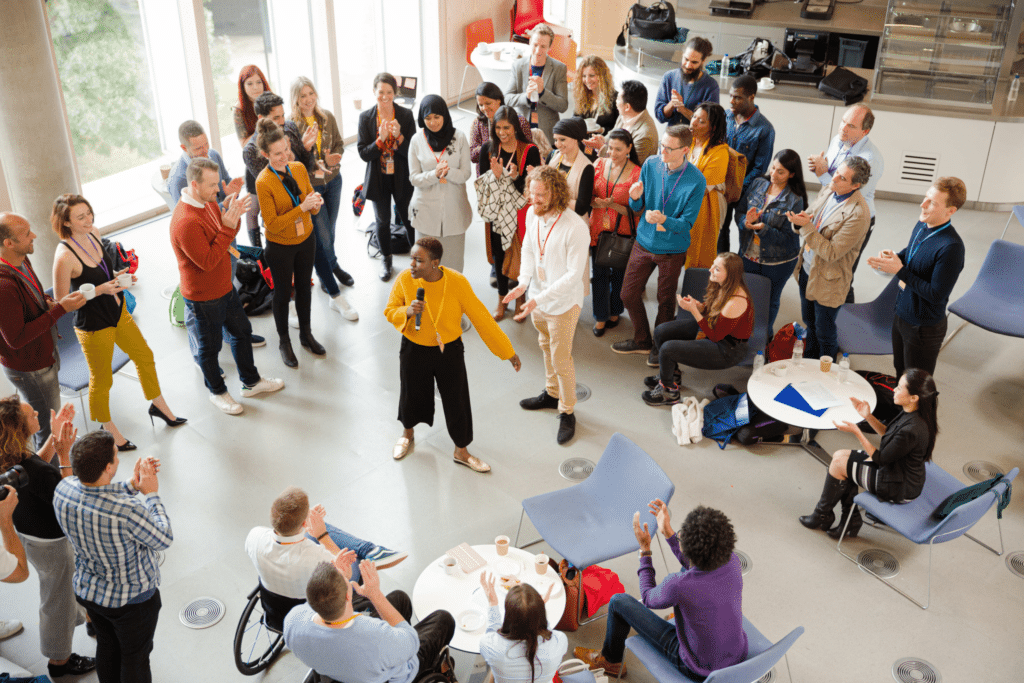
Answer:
(35, 143)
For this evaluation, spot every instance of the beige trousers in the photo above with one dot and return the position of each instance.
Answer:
(556, 333)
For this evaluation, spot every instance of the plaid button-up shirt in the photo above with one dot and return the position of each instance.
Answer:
(115, 536)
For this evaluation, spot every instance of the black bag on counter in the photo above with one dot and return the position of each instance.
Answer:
(756, 60)
(844, 85)
(655, 22)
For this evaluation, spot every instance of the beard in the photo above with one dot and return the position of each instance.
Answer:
(691, 76)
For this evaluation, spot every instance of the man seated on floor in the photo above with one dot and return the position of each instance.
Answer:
(333, 635)
(286, 554)
(705, 598)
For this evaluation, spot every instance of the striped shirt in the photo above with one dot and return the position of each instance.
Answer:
(115, 536)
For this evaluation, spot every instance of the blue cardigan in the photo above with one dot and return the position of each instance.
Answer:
(681, 207)
(930, 275)
(705, 89)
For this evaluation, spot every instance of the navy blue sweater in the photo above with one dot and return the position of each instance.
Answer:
(930, 275)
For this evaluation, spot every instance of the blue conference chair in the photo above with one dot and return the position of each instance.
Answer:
(867, 328)
(914, 520)
(592, 521)
(762, 655)
(695, 284)
(995, 302)
(1018, 213)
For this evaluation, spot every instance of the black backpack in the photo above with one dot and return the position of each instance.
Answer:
(399, 241)
(656, 22)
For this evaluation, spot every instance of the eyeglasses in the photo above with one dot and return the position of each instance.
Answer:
(670, 149)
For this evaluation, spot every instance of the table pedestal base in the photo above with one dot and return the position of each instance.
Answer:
(808, 443)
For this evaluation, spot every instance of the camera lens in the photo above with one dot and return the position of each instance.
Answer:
(16, 477)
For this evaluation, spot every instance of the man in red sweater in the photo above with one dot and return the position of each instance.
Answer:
(28, 319)
(201, 236)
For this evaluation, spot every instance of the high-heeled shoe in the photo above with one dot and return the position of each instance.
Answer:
(156, 412)
(127, 446)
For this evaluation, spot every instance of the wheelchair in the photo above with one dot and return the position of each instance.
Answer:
(259, 638)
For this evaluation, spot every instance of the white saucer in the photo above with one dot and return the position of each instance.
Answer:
(508, 566)
(764, 87)
(470, 620)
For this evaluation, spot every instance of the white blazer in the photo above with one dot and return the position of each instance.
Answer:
(440, 209)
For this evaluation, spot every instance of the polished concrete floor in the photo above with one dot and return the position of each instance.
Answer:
(332, 429)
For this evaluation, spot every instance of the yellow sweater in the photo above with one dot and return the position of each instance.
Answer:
(445, 300)
(279, 213)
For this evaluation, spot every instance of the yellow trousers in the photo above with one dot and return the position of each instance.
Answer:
(555, 335)
(98, 348)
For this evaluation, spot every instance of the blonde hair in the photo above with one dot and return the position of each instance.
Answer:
(601, 102)
(318, 113)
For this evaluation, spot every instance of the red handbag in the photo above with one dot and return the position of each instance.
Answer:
(575, 598)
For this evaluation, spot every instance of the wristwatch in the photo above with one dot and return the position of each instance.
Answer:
(645, 553)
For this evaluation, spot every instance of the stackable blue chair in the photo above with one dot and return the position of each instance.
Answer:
(914, 520)
(695, 284)
(762, 655)
(995, 302)
(867, 328)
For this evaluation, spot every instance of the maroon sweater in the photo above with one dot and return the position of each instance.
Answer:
(26, 344)
(200, 243)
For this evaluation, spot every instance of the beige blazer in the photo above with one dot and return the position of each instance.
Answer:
(645, 134)
(835, 247)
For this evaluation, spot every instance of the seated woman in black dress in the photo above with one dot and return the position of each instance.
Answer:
(895, 470)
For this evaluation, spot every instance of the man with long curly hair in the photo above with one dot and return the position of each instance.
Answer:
(705, 597)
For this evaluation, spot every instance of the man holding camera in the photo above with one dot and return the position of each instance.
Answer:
(116, 537)
(28, 320)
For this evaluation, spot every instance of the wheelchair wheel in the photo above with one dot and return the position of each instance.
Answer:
(256, 646)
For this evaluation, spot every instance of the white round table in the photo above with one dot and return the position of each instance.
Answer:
(498, 71)
(458, 594)
(764, 385)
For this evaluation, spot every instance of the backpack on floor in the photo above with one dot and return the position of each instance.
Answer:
(176, 309)
(724, 417)
(358, 200)
(253, 291)
(399, 241)
(780, 346)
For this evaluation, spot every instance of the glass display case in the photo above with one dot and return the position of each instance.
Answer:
(948, 51)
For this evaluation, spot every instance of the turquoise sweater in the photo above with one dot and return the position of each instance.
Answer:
(681, 206)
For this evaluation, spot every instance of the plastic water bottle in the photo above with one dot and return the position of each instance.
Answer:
(1011, 95)
(798, 350)
(844, 368)
(758, 361)
(724, 75)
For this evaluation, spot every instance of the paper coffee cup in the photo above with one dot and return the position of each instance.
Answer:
(781, 369)
(451, 565)
(125, 280)
(358, 103)
(165, 171)
(826, 363)
(540, 563)
(88, 290)
(497, 55)
(501, 545)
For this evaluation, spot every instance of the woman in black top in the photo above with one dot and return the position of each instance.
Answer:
(385, 131)
(895, 470)
(46, 546)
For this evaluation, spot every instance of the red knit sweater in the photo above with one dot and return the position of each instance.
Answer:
(200, 243)
(26, 344)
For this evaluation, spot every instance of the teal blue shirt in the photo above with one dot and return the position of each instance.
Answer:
(678, 194)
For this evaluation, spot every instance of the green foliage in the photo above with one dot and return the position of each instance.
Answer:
(103, 73)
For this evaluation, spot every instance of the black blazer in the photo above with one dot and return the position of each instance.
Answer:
(901, 458)
(370, 153)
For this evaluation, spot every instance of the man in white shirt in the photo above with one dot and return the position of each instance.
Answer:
(852, 141)
(554, 267)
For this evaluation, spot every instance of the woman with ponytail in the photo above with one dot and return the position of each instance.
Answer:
(895, 470)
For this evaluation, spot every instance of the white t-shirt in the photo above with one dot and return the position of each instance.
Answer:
(8, 563)
(284, 563)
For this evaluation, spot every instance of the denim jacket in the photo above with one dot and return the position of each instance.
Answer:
(779, 242)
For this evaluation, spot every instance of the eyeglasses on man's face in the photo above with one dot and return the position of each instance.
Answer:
(666, 149)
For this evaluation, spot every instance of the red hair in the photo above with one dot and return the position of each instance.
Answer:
(244, 103)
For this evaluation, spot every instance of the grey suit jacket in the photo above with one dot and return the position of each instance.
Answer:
(553, 101)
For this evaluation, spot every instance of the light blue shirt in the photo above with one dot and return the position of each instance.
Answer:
(507, 658)
(866, 150)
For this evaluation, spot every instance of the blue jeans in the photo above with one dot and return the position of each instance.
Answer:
(41, 390)
(779, 275)
(626, 612)
(214, 320)
(325, 260)
(822, 334)
(606, 291)
(344, 540)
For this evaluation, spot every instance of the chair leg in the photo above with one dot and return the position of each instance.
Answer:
(999, 552)
(788, 669)
(664, 556)
(950, 337)
(1006, 227)
(461, 85)
(520, 529)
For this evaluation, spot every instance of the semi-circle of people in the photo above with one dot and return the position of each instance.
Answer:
(94, 542)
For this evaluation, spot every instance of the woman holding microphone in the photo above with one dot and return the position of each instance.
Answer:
(432, 349)
(287, 202)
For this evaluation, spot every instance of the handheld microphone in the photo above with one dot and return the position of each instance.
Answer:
(419, 316)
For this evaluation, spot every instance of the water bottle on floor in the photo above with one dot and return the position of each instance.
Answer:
(844, 368)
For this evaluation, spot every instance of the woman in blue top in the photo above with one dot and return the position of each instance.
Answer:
(768, 243)
(523, 649)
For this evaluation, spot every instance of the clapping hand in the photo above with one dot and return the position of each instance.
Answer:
(660, 510)
(395, 128)
(315, 524)
(384, 131)
(234, 209)
(636, 190)
(688, 303)
(234, 186)
(309, 137)
(312, 201)
(656, 218)
(371, 580)
(146, 470)
(817, 164)
(333, 160)
(487, 583)
(642, 533)
(594, 141)
(343, 562)
(798, 219)
(847, 426)
(676, 101)
(862, 407)
(63, 438)
(886, 261)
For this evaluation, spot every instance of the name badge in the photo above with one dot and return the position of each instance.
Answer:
(903, 285)
(541, 274)
(607, 220)
(534, 119)
(300, 227)
(234, 252)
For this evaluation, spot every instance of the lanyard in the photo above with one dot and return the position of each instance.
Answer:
(343, 621)
(310, 120)
(100, 262)
(607, 192)
(440, 309)
(34, 281)
(295, 202)
(541, 248)
(915, 246)
(837, 162)
(430, 149)
(664, 195)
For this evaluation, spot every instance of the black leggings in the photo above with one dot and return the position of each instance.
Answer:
(287, 261)
(498, 254)
(382, 207)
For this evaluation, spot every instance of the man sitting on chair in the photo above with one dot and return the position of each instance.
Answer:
(705, 599)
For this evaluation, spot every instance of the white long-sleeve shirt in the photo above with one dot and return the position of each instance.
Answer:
(564, 240)
(865, 149)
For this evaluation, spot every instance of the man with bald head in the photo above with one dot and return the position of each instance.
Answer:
(28, 319)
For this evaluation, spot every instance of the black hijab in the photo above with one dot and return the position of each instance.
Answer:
(433, 104)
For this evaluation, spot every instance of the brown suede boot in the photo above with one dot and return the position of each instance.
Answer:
(595, 660)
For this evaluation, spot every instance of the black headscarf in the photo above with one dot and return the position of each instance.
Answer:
(433, 104)
(575, 128)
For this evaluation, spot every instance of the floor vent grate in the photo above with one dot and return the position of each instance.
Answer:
(769, 677)
(1015, 563)
(879, 563)
(979, 470)
(576, 469)
(582, 392)
(202, 613)
(914, 670)
(746, 564)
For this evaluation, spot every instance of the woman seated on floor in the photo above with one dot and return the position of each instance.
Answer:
(713, 337)
(894, 471)
(523, 644)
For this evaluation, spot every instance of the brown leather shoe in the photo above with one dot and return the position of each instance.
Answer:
(499, 312)
(595, 660)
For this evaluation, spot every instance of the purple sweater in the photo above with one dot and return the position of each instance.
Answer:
(707, 607)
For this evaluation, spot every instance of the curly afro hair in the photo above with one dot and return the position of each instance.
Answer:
(707, 538)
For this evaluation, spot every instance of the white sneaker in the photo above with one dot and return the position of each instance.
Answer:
(341, 305)
(266, 385)
(226, 403)
(293, 315)
(9, 628)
